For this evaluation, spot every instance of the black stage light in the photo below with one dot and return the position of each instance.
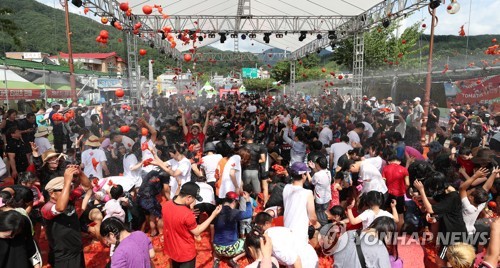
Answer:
(434, 4)
(319, 36)
(222, 37)
(243, 37)
(332, 35)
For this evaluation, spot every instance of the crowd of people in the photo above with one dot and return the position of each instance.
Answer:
(280, 181)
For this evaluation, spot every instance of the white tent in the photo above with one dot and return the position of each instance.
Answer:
(208, 89)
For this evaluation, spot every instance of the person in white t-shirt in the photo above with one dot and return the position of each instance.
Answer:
(368, 131)
(147, 145)
(94, 159)
(369, 175)
(299, 203)
(230, 175)
(210, 162)
(322, 180)
(373, 157)
(326, 135)
(118, 138)
(131, 167)
(41, 140)
(373, 200)
(353, 135)
(337, 150)
(179, 169)
(475, 201)
(288, 247)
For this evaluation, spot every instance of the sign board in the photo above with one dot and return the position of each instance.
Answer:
(32, 55)
(481, 90)
(21, 94)
(250, 72)
(108, 83)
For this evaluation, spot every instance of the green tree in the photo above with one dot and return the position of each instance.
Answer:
(8, 26)
(281, 72)
(258, 84)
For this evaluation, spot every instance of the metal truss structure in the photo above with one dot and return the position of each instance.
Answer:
(385, 11)
(343, 26)
(358, 60)
(238, 57)
(133, 74)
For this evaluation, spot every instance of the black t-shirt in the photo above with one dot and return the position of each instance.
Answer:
(15, 252)
(255, 151)
(436, 112)
(449, 214)
(19, 148)
(24, 125)
(9, 124)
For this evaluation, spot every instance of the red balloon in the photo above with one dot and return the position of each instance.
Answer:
(124, 129)
(478, 82)
(340, 77)
(492, 204)
(142, 52)
(494, 40)
(147, 9)
(424, 25)
(403, 41)
(119, 93)
(187, 57)
(124, 6)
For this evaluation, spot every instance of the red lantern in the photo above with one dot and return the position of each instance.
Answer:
(86, 10)
(144, 131)
(124, 129)
(478, 81)
(119, 93)
(104, 20)
(400, 55)
(494, 40)
(492, 204)
(147, 9)
(187, 57)
(424, 25)
(142, 52)
(332, 73)
(124, 6)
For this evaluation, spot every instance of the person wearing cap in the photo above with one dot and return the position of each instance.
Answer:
(194, 131)
(418, 112)
(225, 240)
(42, 142)
(62, 223)
(392, 109)
(299, 203)
(117, 138)
(94, 159)
(288, 247)
(180, 227)
(209, 163)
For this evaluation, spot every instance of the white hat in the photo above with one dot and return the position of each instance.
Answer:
(373, 99)
(452, 110)
(417, 99)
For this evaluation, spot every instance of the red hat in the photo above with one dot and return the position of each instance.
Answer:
(232, 195)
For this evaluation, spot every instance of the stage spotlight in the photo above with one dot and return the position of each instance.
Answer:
(200, 38)
(332, 35)
(319, 36)
(266, 37)
(243, 36)
(234, 35)
(211, 35)
(252, 35)
(222, 37)
(78, 3)
(386, 22)
(434, 4)
(332, 44)
(303, 35)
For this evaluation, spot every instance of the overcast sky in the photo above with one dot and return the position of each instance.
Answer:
(483, 20)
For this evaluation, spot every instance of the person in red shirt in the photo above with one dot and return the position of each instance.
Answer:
(180, 227)
(397, 180)
(194, 131)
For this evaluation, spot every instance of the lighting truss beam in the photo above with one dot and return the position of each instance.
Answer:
(247, 23)
(237, 57)
(369, 19)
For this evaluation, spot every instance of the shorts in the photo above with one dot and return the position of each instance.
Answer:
(245, 226)
(151, 206)
(231, 250)
(400, 206)
(431, 126)
(321, 212)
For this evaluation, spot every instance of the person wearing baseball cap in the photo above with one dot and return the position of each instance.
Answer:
(418, 112)
(299, 202)
(226, 241)
(62, 223)
(180, 227)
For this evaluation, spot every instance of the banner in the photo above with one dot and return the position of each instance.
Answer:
(21, 94)
(58, 94)
(481, 90)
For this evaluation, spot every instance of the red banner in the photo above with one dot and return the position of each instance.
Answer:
(21, 94)
(58, 94)
(481, 90)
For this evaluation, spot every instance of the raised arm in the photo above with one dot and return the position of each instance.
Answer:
(207, 121)
(185, 129)
(494, 174)
(62, 202)
(420, 187)
(469, 180)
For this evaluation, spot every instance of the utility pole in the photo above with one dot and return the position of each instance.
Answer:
(70, 54)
